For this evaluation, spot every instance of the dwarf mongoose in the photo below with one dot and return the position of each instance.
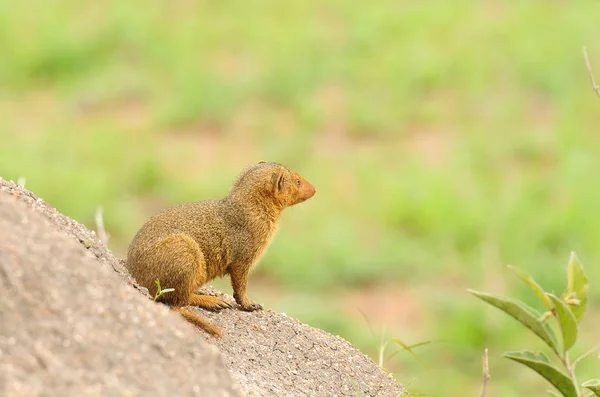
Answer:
(187, 245)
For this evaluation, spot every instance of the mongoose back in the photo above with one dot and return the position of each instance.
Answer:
(187, 245)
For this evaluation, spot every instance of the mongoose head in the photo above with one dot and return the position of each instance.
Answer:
(275, 183)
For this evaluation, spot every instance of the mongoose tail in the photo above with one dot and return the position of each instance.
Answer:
(199, 322)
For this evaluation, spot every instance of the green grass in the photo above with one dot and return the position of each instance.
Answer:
(445, 139)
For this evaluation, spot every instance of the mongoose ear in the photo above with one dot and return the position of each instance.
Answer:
(277, 180)
(261, 162)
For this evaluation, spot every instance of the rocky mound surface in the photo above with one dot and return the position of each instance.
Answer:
(74, 322)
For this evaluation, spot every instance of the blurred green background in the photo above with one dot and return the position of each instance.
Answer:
(446, 140)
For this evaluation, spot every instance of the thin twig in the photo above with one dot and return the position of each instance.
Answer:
(593, 349)
(102, 235)
(486, 372)
(595, 86)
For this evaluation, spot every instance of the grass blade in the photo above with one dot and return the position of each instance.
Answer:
(409, 348)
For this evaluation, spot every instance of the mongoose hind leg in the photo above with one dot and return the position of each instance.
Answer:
(186, 272)
(180, 265)
(208, 302)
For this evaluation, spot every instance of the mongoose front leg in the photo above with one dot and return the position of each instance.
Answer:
(239, 282)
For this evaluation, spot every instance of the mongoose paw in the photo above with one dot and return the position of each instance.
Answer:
(250, 307)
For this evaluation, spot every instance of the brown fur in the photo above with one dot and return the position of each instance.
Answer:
(190, 244)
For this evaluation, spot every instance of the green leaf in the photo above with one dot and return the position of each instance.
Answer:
(535, 287)
(593, 385)
(553, 393)
(543, 366)
(567, 320)
(527, 315)
(576, 294)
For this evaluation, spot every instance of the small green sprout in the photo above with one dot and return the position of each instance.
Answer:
(160, 291)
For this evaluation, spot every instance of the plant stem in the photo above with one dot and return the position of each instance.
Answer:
(486, 372)
(571, 372)
(381, 351)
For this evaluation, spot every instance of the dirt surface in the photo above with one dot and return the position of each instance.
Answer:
(267, 353)
(280, 356)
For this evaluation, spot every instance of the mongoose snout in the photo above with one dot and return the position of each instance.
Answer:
(190, 244)
(305, 190)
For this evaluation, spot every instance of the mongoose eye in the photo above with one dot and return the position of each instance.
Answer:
(298, 182)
